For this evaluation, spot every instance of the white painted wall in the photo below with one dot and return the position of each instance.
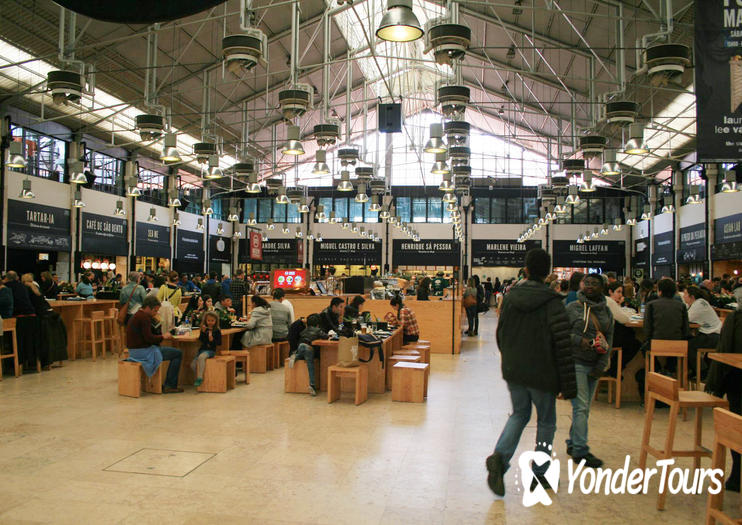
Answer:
(691, 214)
(726, 204)
(662, 223)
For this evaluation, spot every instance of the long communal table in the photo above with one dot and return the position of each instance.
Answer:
(734, 360)
(190, 345)
(71, 310)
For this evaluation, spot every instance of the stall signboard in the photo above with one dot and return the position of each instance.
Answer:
(347, 251)
(431, 252)
(189, 247)
(256, 246)
(501, 252)
(718, 80)
(104, 235)
(601, 256)
(641, 249)
(728, 251)
(728, 229)
(279, 251)
(663, 251)
(37, 227)
(692, 244)
(152, 240)
(220, 249)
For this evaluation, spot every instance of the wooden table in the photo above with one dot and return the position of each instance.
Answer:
(190, 345)
(734, 360)
(640, 324)
(71, 310)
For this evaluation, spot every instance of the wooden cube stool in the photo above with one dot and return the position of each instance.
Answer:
(397, 358)
(240, 356)
(280, 352)
(259, 355)
(270, 357)
(218, 374)
(132, 379)
(296, 380)
(358, 373)
(410, 382)
(422, 348)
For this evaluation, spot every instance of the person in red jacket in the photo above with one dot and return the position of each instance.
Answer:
(144, 345)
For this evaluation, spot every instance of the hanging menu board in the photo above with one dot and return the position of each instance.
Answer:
(718, 80)
(104, 235)
(190, 248)
(282, 251)
(692, 244)
(600, 255)
(37, 227)
(663, 251)
(152, 240)
(220, 249)
(501, 252)
(433, 252)
(347, 251)
(641, 248)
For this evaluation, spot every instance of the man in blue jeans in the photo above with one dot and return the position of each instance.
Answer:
(144, 345)
(533, 338)
(305, 350)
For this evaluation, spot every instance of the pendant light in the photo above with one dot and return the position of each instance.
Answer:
(374, 206)
(176, 219)
(435, 143)
(77, 175)
(173, 201)
(630, 220)
(132, 187)
(636, 145)
(285, 228)
(320, 164)
(302, 206)
(561, 207)
(252, 184)
(610, 165)
(730, 182)
(446, 184)
(345, 184)
(333, 218)
(237, 234)
(299, 233)
(170, 154)
(587, 182)
(667, 205)
(77, 202)
(207, 209)
(399, 23)
(220, 229)
(346, 223)
(695, 196)
(595, 234)
(281, 197)
(269, 225)
(214, 172)
(572, 196)
(153, 215)
(617, 226)
(604, 229)
(26, 192)
(580, 239)
(251, 219)
(449, 198)
(647, 213)
(15, 158)
(293, 145)
(233, 215)
(384, 213)
(354, 228)
(321, 216)
(200, 224)
(119, 211)
(310, 235)
(440, 167)
(361, 195)
(363, 232)
(319, 238)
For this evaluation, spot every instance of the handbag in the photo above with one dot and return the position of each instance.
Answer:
(121, 317)
(348, 352)
(469, 301)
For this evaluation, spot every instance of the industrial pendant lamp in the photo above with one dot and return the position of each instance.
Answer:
(119, 211)
(435, 144)
(78, 202)
(233, 215)
(215, 172)
(77, 176)
(730, 182)
(220, 229)
(630, 219)
(333, 218)
(572, 196)
(310, 235)
(439, 166)
(587, 182)
(153, 215)
(200, 224)
(636, 145)
(269, 225)
(446, 184)
(176, 219)
(617, 226)
(132, 187)
(285, 228)
(667, 205)
(26, 192)
(646, 214)
(173, 201)
(251, 219)
(302, 206)
(361, 196)
(604, 229)
(207, 209)
(610, 165)
(399, 23)
(561, 207)
(299, 233)
(252, 184)
(282, 198)
(237, 234)
(293, 145)
(695, 196)
(345, 184)
(346, 223)
(321, 216)
(384, 213)
(15, 158)
(320, 165)
(170, 154)
(374, 206)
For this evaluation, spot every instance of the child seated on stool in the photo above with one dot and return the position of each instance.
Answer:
(211, 338)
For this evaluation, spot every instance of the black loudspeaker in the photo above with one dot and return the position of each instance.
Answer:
(184, 203)
(91, 179)
(353, 284)
(390, 118)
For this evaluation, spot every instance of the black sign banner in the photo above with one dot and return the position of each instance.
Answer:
(641, 249)
(37, 227)
(603, 255)
(347, 251)
(220, 249)
(727, 251)
(692, 244)
(280, 251)
(718, 80)
(728, 229)
(189, 247)
(152, 240)
(501, 252)
(431, 252)
(104, 235)
(663, 251)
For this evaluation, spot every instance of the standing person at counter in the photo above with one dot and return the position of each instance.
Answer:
(47, 286)
(133, 293)
(330, 316)
(238, 288)
(423, 289)
(470, 305)
(53, 333)
(6, 301)
(27, 324)
(440, 284)
(212, 287)
(85, 286)
(405, 319)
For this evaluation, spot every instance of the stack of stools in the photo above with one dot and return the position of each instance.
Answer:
(410, 382)
(358, 373)
(259, 356)
(423, 347)
(399, 358)
(132, 379)
(296, 379)
(280, 353)
(92, 331)
(240, 356)
(219, 374)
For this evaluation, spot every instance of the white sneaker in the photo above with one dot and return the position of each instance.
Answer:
(291, 360)
(312, 390)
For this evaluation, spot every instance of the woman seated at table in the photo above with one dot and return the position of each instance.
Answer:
(53, 332)
(260, 325)
(405, 319)
(623, 336)
(701, 312)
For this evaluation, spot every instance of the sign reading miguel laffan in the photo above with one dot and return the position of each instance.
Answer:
(35, 226)
(604, 255)
(104, 235)
(718, 80)
(663, 251)
(692, 244)
(433, 252)
(152, 240)
(347, 251)
(501, 252)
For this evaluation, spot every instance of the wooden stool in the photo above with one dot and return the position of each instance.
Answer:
(296, 380)
(728, 428)
(424, 350)
(112, 332)
(613, 382)
(96, 330)
(410, 382)
(132, 379)
(665, 389)
(335, 373)
(280, 353)
(699, 354)
(9, 327)
(259, 358)
(397, 358)
(665, 348)
(404, 351)
(218, 374)
(240, 356)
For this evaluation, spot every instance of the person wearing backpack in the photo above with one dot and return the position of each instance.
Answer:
(537, 364)
(592, 338)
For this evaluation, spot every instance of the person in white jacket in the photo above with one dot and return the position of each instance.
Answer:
(701, 312)
(260, 325)
(623, 336)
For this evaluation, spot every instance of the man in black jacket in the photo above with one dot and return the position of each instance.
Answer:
(330, 316)
(533, 338)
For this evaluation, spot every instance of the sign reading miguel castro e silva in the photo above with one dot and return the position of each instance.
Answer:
(432, 252)
(104, 235)
(347, 251)
(35, 226)
(606, 255)
(501, 252)
(152, 240)
(718, 80)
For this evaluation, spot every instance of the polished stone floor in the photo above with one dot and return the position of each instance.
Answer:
(73, 451)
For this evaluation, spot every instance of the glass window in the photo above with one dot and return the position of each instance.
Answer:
(514, 210)
(482, 210)
(251, 206)
(446, 215)
(264, 210)
(279, 212)
(419, 209)
(530, 209)
(371, 216)
(341, 208)
(499, 207)
(44, 155)
(107, 173)
(152, 186)
(579, 211)
(327, 203)
(292, 213)
(356, 211)
(435, 210)
(595, 211)
(403, 208)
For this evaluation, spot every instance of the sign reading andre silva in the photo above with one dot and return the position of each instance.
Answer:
(434, 252)
(692, 244)
(35, 226)
(347, 251)
(718, 72)
(152, 240)
(283, 251)
(104, 235)
(606, 255)
(501, 252)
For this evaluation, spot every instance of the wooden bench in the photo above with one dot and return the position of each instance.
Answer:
(410, 382)
(357, 373)
(132, 379)
(296, 379)
(219, 374)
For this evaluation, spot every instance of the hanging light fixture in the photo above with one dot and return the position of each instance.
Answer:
(333, 218)
(77, 175)
(346, 224)
(170, 153)
(119, 211)
(730, 182)
(384, 213)
(361, 195)
(15, 158)
(572, 196)
(252, 184)
(302, 206)
(214, 172)
(399, 23)
(667, 205)
(595, 234)
(647, 213)
(610, 165)
(132, 187)
(630, 220)
(449, 198)
(269, 225)
(173, 200)
(26, 192)
(176, 219)
(77, 202)
(320, 164)
(354, 228)
(299, 233)
(237, 234)
(319, 237)
(200, 224)
(363, 232)
(281, 197)
(293, 145)
(604, 229)
(435, 143)
(580, 239)
(345, 184)
(310, 235)
(587, 182)
(153, 215)
(446, 184)
(285, 228)
(695, 195)
(251, 219)
(439, 166)
(560, 208)
(220, 229)
(636, 145)
(233, 215)
(321, 216)
(617, 226)
(374, 206)
(207, 209)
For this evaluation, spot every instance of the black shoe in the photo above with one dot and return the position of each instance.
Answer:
(539, 478)
(476, 333)
(732, 484)
(569, 450)
(496, 471)
(590, 461)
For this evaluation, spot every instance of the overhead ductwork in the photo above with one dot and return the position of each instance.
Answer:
(621, 112)
(327, 134)
(203, 150)
(573, 166)
(65, 86)
(453, 100)
(244, 51)
(150, 127)
(295, 100)
(447, 41)
(592, 144)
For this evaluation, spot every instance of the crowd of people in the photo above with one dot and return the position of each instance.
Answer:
(556, 338)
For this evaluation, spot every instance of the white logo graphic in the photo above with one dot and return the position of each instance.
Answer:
(537, 458)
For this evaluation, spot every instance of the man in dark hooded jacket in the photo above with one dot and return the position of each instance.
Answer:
(533, 338)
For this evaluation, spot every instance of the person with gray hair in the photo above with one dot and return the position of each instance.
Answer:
(133, 294)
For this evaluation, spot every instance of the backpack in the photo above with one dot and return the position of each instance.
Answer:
(295, 330)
